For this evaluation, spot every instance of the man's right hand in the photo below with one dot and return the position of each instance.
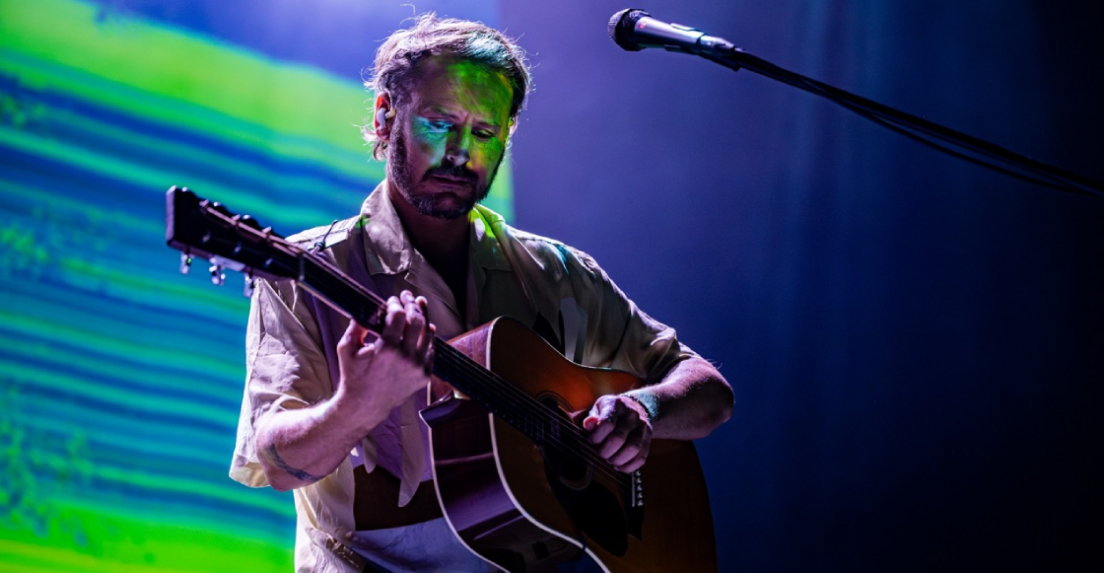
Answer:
(380, 372)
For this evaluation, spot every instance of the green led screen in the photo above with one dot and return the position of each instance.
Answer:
(121, 379)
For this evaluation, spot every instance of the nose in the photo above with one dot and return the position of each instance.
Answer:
(457, 153)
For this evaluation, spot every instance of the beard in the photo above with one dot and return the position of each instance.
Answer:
(430, 204)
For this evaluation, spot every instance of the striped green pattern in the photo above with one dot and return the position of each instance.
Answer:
(120, 380)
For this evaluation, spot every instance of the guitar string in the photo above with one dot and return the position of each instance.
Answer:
(517, 403)
(476, 372)
(522, 406)
(584, 452)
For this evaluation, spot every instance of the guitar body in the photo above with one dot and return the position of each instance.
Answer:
(526, 506)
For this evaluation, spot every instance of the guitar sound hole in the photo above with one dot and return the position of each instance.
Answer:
(594, 508)
(562, 448)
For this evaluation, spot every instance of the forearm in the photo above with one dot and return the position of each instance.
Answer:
(691, 400)
(299, 447)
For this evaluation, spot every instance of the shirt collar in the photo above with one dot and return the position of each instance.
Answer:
(388, 250)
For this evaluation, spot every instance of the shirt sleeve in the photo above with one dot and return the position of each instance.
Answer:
(285, 368)
(619, 334)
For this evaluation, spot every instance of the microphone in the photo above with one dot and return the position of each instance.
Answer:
(635, 30)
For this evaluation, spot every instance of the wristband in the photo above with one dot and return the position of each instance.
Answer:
(646, 400)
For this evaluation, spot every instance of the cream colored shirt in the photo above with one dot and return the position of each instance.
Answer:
(291, 362)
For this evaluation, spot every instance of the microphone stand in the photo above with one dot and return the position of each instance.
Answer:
(919, 129)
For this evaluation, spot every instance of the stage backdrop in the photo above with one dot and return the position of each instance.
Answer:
(915, 343)
(120, 379)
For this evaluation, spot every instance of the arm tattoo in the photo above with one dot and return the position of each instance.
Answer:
(299, 474)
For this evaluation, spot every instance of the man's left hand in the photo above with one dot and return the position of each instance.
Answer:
(621, 431)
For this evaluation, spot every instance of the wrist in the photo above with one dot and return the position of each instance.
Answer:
(353, 413)
(647, 401)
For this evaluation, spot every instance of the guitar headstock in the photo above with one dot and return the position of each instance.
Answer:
(201, 228)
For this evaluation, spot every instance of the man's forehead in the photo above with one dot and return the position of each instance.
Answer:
(442, 77)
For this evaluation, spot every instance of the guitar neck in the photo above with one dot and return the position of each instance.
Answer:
(202, 228)
(352, 299)
(340, 291)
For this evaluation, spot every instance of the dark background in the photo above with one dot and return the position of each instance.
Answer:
(914, 342)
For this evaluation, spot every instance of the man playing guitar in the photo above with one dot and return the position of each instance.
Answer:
(331, 408)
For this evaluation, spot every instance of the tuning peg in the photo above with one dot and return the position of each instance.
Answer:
(185, 263)
(250, 285)
(217, 276)
(249, 221)
(221, 208)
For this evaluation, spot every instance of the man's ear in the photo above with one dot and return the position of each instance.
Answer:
(383, 116)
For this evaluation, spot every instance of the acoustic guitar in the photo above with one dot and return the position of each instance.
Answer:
(515, 476)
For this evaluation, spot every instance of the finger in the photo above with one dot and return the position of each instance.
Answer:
(627, 433)
(594, 421)
(613, 442)
(353, 339)
(613, 418)
(617, 438)
(370, 348)
(625, 455)
(635, 464)
(634, 444)
(428, 353)
(414, 328)
(423, 308)
(424, 353)
(394, 322)
(645, 449)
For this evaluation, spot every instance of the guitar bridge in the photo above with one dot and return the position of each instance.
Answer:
(636, 484)
(634, 513)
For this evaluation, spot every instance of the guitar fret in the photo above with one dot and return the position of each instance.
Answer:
(449, 366)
